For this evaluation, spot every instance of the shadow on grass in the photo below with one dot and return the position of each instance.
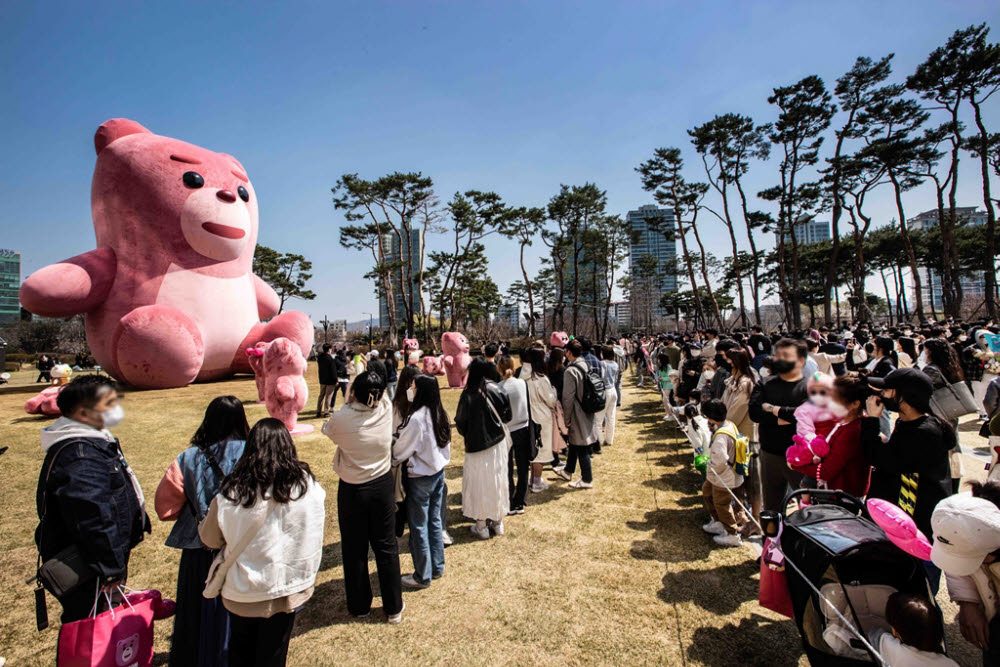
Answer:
(721, 590)
(34, 419)
(755, 641)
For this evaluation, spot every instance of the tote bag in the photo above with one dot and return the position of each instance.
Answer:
(774, 593)
(953, 401)
(119, 637)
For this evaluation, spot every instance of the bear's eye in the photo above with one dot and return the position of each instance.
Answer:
(193, 179)
(242, 192)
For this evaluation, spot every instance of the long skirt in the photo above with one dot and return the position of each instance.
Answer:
(201, 626)
(485, 494)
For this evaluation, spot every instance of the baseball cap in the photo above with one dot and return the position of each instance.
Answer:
(966, 530)
(912, 383)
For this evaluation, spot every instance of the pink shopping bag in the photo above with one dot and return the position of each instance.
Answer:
(774, 593)
(119, 637)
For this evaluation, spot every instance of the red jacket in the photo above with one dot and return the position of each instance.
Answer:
(845, 467)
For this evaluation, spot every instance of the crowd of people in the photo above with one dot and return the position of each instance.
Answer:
(248, 515)
(862, 409)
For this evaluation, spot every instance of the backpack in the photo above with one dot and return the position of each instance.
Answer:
(741, 453)
(593, 400)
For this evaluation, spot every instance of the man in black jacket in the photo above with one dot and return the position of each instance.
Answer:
(327, 381)
(772, 406)
(88, 498)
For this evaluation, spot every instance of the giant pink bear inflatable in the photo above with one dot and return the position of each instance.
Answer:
(456, 357)
(168, 295)
(285, 390)
(432, 366)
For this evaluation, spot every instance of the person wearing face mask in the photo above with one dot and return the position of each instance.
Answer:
(911, 468)
(844, 467)
(716, 386)
(424, 446)
(772, 406)
(691, 368)
(89, 501)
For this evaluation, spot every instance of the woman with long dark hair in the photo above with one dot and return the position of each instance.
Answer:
(392, 372)
(483, 409)
(268, 519)
(943, 367)
(542, 397)
(555, 368)
(423, 445)
(739, 387)
(201, 625)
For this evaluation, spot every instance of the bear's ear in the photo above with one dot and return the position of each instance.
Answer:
(116, 128)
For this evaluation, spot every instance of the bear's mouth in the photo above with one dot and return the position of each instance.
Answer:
(225, 231)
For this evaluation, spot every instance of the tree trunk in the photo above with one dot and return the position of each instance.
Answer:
(690, 269)
(989, 260)
(736, 259)
(911, 255)
(531, 300)
(888, 299)
(753, 252)
(704, 273)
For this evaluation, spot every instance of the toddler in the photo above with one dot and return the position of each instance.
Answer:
(814, 421)
(917, 633)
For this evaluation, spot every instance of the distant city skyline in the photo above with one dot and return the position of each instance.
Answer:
(516, 98)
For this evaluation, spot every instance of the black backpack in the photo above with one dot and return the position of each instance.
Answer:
(593, 392)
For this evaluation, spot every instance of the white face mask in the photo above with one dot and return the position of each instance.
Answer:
(819, 400)
(709, 375)
(113, 416)
(837, 410)
(411, 393)
(695, 353)
(924, 360)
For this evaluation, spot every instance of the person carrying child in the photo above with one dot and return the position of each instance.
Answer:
(726, 468)
(813, 423)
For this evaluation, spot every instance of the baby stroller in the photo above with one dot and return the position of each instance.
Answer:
(851, 561)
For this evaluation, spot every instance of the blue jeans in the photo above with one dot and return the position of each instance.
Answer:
(423, 509)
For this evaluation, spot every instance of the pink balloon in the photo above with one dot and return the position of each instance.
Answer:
(900, 528)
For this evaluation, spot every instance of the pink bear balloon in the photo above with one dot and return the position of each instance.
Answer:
(255, 357)
(558, 339)
(285, 390)
(432, 366)
(169, 297)
(900, 528)
(44, 403)
(456, 358)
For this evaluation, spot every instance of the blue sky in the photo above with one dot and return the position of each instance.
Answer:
(515, 97)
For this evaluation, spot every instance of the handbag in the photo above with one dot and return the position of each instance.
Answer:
(225, 559)
(114, 638)
(774, 593)
(535, 432)
(506, 432)
(953, 401)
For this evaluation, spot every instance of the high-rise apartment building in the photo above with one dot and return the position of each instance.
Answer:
(811, 231)
(10, 283)
(409, 259)
(974, 286)
(650, 236)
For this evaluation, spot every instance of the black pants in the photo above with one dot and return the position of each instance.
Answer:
(367, 515)
(201, 625)
(775, 479)
(581, 453)
(341, 386)
(520, 457)
(259, 642)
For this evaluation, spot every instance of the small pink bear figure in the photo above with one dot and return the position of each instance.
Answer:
(558, 339)
(168, 295)
(410, 345)
(285, 390)
(456, 358)
(432, 366)
(255, 356)
(44, 403)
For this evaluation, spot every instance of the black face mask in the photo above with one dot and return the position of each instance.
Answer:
(891, 403)
(781, 366)
(722, 362)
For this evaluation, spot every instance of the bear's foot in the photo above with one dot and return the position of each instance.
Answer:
(157, 347)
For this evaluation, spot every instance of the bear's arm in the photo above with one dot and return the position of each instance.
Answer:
(76, 285)
(284, 389)
(268, 302)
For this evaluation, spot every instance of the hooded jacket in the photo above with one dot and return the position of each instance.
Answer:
(89, 497)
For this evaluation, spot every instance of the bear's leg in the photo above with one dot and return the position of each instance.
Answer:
(158, 347)
(293, 325)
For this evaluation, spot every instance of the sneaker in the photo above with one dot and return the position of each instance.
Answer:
(447, 539)
(483, 534)
(515, 510)
(561, 473)
(728, 540)
(498, 527)
(410, 581)
(539, 486)
(595, 450)
(362, 616)
(396, 619)
(714, 527)
(580, 484)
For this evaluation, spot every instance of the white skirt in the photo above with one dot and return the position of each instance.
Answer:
(485, 490)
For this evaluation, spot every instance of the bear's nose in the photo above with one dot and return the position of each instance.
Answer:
(226, 195)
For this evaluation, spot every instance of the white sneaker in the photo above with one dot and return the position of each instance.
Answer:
(447, 539)
(483, 534)
(714, 527)
(497, 528)
(396, 619)
(410, 581)
(580, 484)
(561, 473)
(539, 486)
(727, 540)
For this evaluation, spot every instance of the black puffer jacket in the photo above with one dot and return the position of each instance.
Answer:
(476, 422)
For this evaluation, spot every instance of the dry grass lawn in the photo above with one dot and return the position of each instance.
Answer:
(620, 574)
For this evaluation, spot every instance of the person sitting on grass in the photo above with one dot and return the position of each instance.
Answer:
(725, 524)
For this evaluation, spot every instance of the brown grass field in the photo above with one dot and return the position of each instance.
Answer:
(621, 574)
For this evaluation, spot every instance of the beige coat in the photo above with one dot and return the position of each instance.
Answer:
(737, 400)
(581, 424)
(543, 399)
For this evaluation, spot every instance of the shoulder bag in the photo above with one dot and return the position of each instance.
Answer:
(225, 559)
(953, 401)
